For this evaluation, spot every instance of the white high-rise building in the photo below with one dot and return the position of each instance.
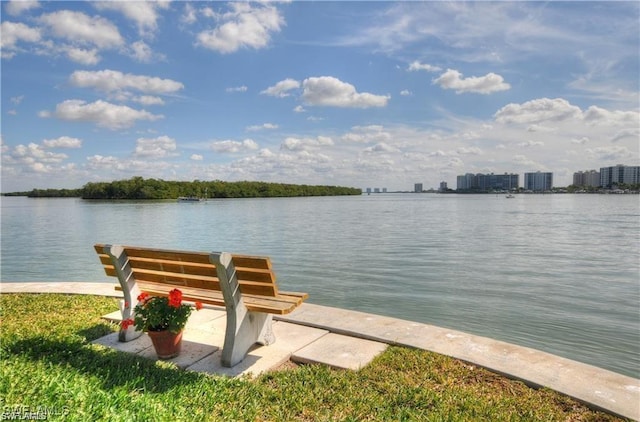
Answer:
(538, 181)
(587, 178)
(614, 175)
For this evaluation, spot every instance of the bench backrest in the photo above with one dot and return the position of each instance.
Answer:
(193, 269)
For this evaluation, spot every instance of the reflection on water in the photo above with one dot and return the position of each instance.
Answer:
(558, 273)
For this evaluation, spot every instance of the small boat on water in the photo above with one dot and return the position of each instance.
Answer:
(509, 196)
(190, 199)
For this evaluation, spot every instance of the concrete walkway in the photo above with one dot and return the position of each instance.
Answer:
(350, 339)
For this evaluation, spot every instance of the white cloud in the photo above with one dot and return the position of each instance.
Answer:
(245, 26)
(266, 165)
(330, 91)
(367, 134)
(262, 126)
(282, 88)
(143, 13)
(16, 7)
(416, 65)
(148, 100)
(33, 158)
(633, 133)
(83, 56)
(17, 100)
(14, 32)
(237, 89)
(62, 142)
(580, 141)
(438, 153)
(381, 147)
(102, 113)
(406, 93)
(160, 147)
(230, 146)
(209, 13)
(140, 51)
(196, 157)
(189, 15)
(540, 128)
(113, 81)
(610, 154)
(527, 163)
(539, 110)
(603, 87)
(469, 151)
(452, 79)
(78, 28)
(99, 162)
(527, 144)
(304, 144)
(119, 167)
(299, 109)
(599, 115)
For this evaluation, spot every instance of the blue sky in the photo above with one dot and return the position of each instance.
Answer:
(363, 94)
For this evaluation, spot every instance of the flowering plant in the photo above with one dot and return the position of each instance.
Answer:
(159, 313)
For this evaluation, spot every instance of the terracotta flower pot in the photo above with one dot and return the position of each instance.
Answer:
(166, 343)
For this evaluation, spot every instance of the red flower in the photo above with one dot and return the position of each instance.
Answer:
(126, 305)
(175, 298)
(143, 296)
(126, 323)
(198, 306)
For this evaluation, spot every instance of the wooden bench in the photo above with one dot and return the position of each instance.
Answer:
(244, 285)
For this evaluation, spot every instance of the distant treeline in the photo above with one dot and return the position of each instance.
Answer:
(139, 188)
(48, 193)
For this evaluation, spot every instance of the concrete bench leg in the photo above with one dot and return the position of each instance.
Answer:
(130, 290)
(130, 333)
(244, 328)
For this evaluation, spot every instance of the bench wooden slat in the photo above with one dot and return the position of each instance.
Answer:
(105, 259)
(142, 274)
(257, 262)
(189, 280)
(243, 273)
(282, 304)
(182, 280)
(301, 296)
(246, 287)
(174, 266)
(198, 257)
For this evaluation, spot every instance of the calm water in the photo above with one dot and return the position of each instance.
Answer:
(559, 273)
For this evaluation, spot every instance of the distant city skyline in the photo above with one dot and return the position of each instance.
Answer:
(359, 94)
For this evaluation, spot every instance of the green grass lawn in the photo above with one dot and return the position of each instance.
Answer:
(47, 363)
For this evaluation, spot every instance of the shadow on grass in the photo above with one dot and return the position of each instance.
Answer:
(97, 331)
(113, 368)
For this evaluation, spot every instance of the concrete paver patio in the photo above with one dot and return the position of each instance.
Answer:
(203, 339)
